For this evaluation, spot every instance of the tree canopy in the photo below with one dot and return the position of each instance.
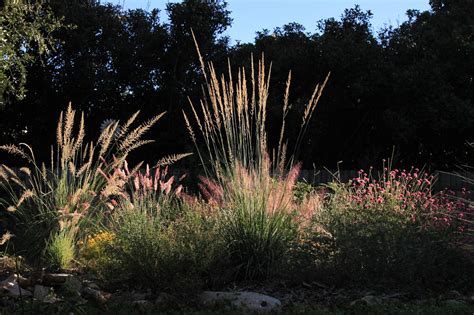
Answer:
(407, 87)
(25, 34)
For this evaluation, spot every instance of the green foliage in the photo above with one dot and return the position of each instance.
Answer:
(301, 191)
(26, 29)
(61, 249)
(257, 239)
(392, 87)
(382, 244)
(93, 251)
(151, 250)
(258, 220)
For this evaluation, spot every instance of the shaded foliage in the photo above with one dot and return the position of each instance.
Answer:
(25, 34)
(408, 87)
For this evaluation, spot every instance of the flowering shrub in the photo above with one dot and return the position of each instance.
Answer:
(390, 229)
(408, 193)
(93, 246)
(93, 251)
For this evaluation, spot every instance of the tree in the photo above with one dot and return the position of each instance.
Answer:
(432, 61)
(347, 124)
(408, 86)
(25, 34)
(112, 62)
(208, 20)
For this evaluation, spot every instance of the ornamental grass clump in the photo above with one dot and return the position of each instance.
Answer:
(151, 188)
(391, 229)
(68, 193)
(249, 182)
(61, 249)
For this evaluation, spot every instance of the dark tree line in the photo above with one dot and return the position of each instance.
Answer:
(408, 87)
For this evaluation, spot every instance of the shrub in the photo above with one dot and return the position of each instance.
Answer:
(152, 250)
(301, 191)
(152, 237)
(390, 230)
(94, 250)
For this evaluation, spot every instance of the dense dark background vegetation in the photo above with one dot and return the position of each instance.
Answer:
(408, 87)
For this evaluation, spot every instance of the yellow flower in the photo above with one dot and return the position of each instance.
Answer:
(94, 245)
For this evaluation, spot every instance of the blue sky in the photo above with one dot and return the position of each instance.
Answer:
(250, 16)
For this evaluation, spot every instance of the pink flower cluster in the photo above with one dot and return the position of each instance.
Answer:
(146, 182)
(135, 184)
(409, 193)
